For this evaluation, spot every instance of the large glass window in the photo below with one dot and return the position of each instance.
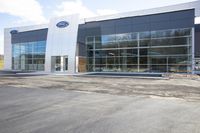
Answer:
(29, 56)
(169, 51)
(148, 51)
(197, 64)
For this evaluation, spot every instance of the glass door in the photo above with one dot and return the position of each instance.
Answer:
(55, 63)
(58, 63)
(65, 63)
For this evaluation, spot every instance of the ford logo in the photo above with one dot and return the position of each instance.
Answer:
(13, 32)
(62, 24)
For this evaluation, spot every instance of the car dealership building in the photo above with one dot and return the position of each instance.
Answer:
(156, 40)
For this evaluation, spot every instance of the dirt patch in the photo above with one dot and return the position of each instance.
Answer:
(179, 88)
(182, 76)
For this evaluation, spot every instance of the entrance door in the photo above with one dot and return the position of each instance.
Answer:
(59, 63)
(55, 63)
(65, 63)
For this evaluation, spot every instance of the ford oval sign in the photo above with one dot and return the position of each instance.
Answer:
(62, 24)
(13, 32)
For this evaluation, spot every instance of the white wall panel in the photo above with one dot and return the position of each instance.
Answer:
(62, 41)
(7, 50)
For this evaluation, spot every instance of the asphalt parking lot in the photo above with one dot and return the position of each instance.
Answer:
(49, 104)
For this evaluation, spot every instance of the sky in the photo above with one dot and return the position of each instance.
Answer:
(15, 13)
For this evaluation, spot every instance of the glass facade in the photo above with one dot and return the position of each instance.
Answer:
(149, 51)
(197, 64)
(29, 56)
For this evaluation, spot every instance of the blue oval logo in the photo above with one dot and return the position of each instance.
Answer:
(13, 32)
(62, 24)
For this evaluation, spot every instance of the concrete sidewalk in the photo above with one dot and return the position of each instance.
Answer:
(86, 74)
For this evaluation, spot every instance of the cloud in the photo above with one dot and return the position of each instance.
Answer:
(197, 20)
(73, 7)
(77, 7)
(106, 11)
(26, 10)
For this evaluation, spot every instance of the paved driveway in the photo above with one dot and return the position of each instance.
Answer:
(26, 110)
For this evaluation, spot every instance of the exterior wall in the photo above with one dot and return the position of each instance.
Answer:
(7, 50)
(8, 42)
(149, 23)
(62, 41)
(171, 20)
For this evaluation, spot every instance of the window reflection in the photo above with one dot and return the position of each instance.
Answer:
(148, 51)
(29, 56)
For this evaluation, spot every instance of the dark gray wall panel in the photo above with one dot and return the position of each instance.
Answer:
(81, 49)
(160, 17)
(107, 24)
(124, 21)
(182, 14)
(197, 28)
(29, 36)
(107, 30)
(123, 29)
(141, 27)
(161, 25)
(183, 23)
(171, 20)
(91, 25)
(93, 31)
(140, 20)
(197, 41)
